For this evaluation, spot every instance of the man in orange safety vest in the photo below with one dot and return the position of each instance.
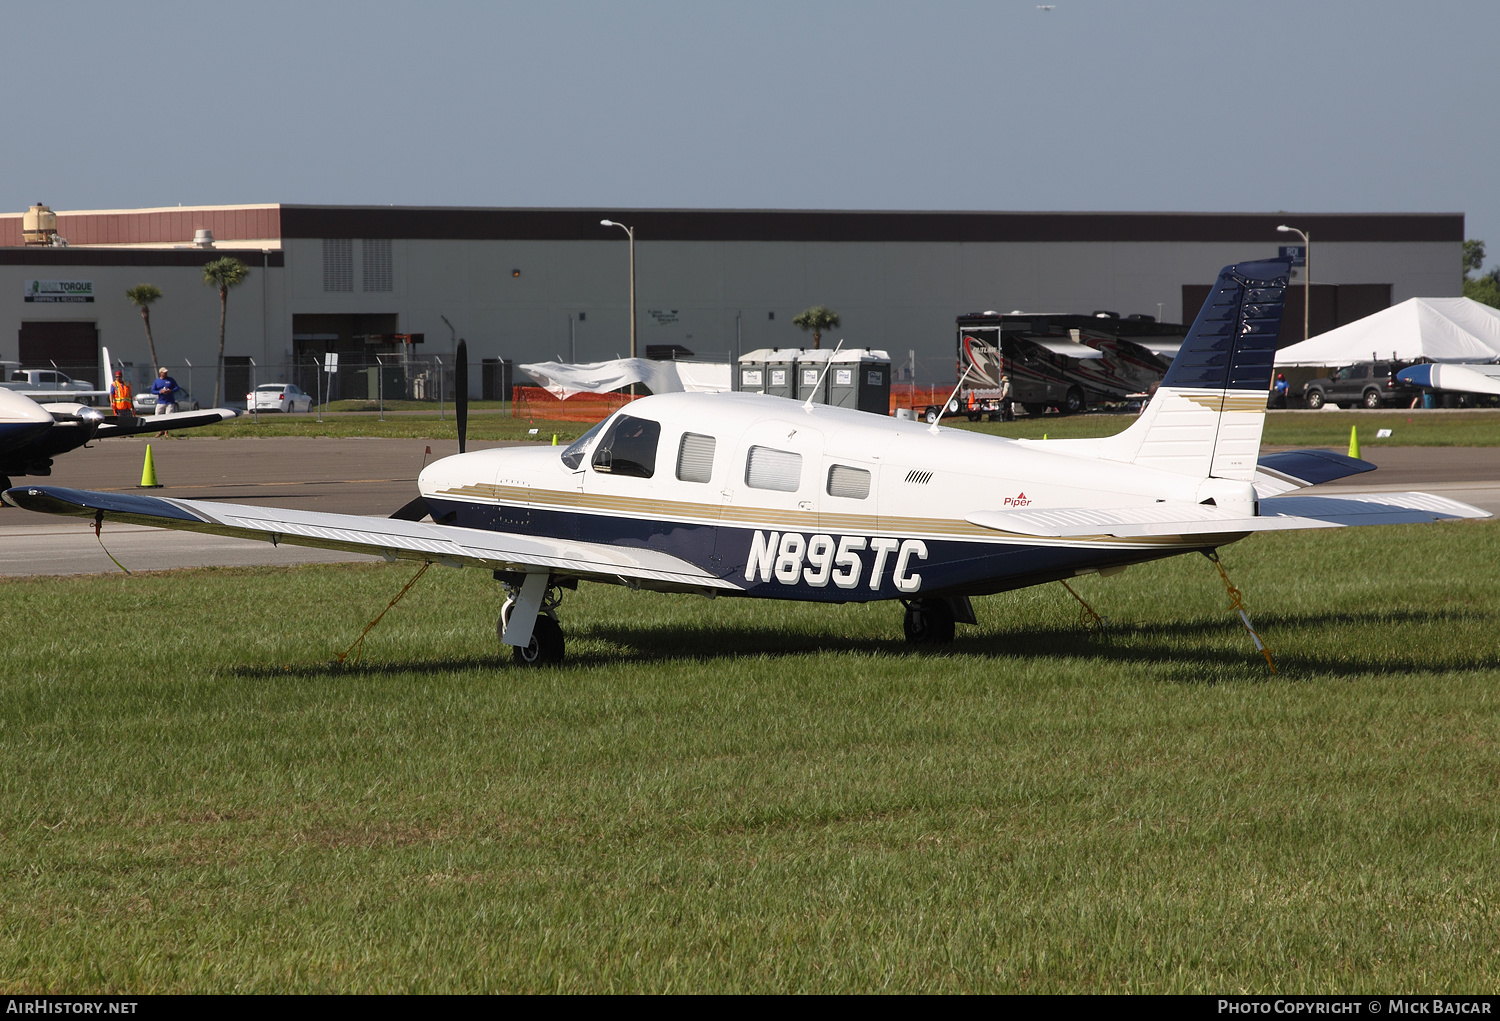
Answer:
(119, 399)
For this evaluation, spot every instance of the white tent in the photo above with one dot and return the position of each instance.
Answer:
(563, 380)
(1439, 329)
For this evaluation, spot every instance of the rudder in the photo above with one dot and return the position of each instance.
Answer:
(1206, 417)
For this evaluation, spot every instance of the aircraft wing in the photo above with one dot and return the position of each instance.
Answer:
(156, 423)
(1472, 378)
(1187, 519)
(393, 539)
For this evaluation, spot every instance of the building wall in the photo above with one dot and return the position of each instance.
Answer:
(892, 295)
(509, 280)
(185, 322)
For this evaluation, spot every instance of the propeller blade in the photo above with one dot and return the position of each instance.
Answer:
(461, 393)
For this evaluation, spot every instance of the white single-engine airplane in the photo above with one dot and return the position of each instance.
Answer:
(34, 428)
(740, 494)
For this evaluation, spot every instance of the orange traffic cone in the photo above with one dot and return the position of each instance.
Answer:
(148, 472)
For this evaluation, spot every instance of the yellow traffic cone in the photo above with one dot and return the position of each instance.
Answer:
(1354, 441)
(148, 473)
(554, 439)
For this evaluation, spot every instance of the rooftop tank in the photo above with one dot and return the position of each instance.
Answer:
(38, 225)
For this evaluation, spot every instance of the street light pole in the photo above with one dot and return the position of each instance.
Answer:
(1306, 274)
(630, 233)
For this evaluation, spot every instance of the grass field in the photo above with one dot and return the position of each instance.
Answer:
(745, 795)
(1303, 429)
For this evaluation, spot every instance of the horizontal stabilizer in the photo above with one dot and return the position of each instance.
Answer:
(391, 538)
(1295, 469)
(1186, 519)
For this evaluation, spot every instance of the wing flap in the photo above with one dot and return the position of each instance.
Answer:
(388, 537)
(1276, 514)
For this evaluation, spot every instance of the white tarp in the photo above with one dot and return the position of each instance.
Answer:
(563, 380)
(1440, 329)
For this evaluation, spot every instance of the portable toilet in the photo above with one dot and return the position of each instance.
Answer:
(751, 374)
(781, 372)
(810, 372)
(860, 378)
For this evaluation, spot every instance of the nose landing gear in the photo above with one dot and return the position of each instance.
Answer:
(528, 621)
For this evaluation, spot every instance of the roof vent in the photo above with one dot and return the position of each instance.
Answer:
(203, 237)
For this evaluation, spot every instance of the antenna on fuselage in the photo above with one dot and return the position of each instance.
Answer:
(819, 384)
(461, 392)
(944, 409)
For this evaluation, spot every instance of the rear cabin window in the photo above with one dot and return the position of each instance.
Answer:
(695, 458)
(628, 448)
(768, 468)
(851, 483)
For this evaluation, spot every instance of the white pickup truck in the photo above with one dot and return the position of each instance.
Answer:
(48, 383)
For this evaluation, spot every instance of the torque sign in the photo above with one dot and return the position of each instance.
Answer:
(782, 556)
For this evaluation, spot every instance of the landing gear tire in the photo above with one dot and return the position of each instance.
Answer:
(546, 648)
(1073, 403)
(928, 622)
(1372, 399)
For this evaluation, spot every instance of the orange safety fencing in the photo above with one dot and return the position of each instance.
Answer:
(535, 402)
(918, 396)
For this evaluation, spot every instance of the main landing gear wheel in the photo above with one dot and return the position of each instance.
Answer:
(929, 622)
(547, 647)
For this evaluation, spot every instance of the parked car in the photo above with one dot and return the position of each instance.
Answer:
(145, 402)
(286, 397)
(1363, 384)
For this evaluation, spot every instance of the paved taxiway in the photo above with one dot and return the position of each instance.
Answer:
(348, 476)
(376, 476)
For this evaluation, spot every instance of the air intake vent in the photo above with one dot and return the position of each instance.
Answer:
(375, 263)
(918, 478)
(338, 264)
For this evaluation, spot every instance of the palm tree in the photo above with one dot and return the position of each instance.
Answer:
(223, 273)
(817, 319)
(143, 295)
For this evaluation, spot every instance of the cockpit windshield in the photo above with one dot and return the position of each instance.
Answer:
(572, 456)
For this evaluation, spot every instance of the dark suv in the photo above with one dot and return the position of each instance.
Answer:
(1363, 384)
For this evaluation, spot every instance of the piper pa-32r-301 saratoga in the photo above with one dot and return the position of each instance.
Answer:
(747, 495)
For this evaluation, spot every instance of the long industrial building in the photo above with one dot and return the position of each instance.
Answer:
(536, 284)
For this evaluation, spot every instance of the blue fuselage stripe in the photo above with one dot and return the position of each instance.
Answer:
(811, 565)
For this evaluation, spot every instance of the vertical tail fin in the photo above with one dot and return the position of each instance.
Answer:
(1206, 417)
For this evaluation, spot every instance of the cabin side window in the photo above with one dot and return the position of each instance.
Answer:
(628, 448)
(850, 483)
(695, 458)
(768, 468)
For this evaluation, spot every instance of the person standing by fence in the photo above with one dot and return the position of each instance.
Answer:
(120, 400)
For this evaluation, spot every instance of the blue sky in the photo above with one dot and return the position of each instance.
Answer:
(1330, 106)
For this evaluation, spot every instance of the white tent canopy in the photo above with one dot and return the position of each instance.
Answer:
(1438, 329)
(563, 380)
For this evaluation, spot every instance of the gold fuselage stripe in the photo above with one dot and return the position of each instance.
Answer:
(762, 517)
